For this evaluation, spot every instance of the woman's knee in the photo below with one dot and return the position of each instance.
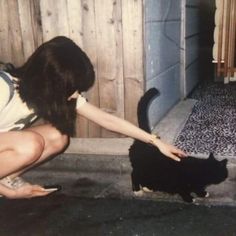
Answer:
(31, 146)
(57, 140)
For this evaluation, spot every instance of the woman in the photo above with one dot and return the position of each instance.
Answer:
(49, 85)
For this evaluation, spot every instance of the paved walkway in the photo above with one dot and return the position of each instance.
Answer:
(59, 215)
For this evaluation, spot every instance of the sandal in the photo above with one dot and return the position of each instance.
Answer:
(13, 183)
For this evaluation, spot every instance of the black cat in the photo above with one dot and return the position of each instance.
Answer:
(153, 170)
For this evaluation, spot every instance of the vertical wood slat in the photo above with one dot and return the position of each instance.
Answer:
(75, 24)
(226, 39)
(90, 46)
(36, 22)
(28, 22)
(132, 18)
(5, 45)
(220, 37)
(54, 18)
(15, 35)
(109, 69)
(226, 52)
(232, 38)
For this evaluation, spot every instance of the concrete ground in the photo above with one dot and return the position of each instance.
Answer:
(96, 196)
(65, 215)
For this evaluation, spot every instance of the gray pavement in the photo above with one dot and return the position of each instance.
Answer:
(59, 214)
(96, 199)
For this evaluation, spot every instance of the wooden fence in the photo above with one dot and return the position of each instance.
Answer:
(109, 31)
(225, 38)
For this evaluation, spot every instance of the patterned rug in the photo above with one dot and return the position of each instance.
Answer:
(211, 127)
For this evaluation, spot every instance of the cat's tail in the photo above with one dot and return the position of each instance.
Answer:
(143, 106)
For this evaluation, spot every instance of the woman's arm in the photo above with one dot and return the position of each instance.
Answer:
(119, 125)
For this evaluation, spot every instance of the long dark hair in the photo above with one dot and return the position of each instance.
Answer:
(52, 73)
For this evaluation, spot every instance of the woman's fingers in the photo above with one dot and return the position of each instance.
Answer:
(171, 151)
(30, 191)
(176, 158)
(179, 152)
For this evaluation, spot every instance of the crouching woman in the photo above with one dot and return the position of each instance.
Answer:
(49, 85)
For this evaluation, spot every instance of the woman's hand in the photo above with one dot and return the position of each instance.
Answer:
(28, 191)
(169, 150)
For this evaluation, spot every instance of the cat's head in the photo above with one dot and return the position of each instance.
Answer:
(216, 170)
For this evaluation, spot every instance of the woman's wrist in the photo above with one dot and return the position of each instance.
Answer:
(154, 139)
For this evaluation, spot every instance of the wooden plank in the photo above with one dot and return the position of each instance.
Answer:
(54, 18)
(226, 53)
(36, 22)
(220, 37)
(82, 31)
(5, 45)
(15, 35)
(75, 24)
(90, 47)
(132, 18)
(232, 38)
(110, 66)
(28, 22)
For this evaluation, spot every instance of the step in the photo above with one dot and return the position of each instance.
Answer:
(100, 176)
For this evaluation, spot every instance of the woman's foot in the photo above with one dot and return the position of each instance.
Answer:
(13, 183)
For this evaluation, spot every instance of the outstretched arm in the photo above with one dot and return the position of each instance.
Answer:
(119, 125)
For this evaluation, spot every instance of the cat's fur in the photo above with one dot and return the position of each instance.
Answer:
(153, 170)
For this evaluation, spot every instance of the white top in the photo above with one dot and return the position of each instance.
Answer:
(15, 114)
(80, 101)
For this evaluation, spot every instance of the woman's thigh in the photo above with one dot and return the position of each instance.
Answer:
(17, 139)
(44, 135)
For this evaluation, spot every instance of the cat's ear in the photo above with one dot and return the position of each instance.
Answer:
(224, 161)
(211, 156)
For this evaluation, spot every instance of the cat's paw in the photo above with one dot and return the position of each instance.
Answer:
(195, 202)
(187, 198)
(139, 193)
(203, 194)
(147, 190)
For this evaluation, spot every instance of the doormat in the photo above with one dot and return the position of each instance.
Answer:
(211, 126)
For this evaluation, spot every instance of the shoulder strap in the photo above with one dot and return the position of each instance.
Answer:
(8, 80)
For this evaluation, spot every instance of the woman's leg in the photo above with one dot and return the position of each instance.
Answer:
(54, 143)
(19, 149)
